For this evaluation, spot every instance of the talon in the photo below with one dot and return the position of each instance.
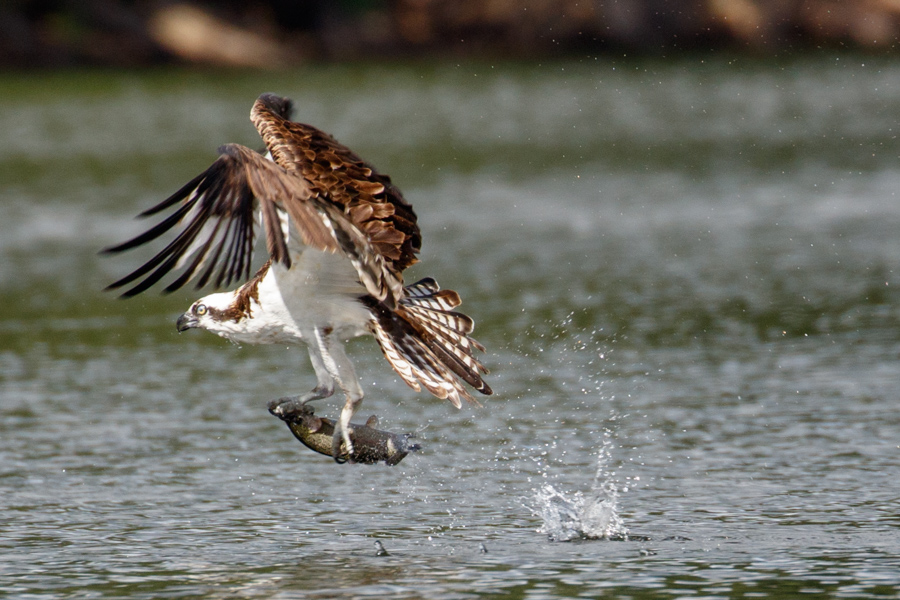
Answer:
(338, 439)
(288, 406)
(291, 405)
(346, 435)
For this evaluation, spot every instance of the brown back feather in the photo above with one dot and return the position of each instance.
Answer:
(336, 173)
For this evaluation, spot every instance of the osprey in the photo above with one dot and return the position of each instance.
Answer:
(339, 235)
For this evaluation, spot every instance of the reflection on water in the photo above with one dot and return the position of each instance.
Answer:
(696, 256)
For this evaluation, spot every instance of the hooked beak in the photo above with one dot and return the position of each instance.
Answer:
(186, 321)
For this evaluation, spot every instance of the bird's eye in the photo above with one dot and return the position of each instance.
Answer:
(200, 310)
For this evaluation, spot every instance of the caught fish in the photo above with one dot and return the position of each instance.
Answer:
(370, 445)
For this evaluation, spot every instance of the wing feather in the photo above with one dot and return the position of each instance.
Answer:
(333, 200)
(366, 214)
(199, 260)
(215, 222)
(214, 212)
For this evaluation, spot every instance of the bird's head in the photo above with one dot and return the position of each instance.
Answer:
(209, 312)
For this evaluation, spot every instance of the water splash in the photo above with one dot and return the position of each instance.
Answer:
(568, 516)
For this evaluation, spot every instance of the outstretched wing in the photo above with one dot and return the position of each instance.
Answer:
(315, 188)
(215, 215)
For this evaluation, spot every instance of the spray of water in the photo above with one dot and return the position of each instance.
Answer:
(574, 515)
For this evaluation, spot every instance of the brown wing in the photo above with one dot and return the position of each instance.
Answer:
(215, 217)
(338, 176)
(330, 196)
(429, 344)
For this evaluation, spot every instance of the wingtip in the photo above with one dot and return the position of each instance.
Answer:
(123, 296)
(114, 285)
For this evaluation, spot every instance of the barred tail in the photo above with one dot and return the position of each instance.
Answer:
(428, 343)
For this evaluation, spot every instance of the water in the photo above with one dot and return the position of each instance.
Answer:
(569, 516)
(685, 273)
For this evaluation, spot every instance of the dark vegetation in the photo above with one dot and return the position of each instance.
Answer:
(276, 33)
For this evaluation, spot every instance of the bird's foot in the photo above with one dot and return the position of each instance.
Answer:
(341, 447)
(317, 393)
(291, 405)
(287, 406)
(342, 428)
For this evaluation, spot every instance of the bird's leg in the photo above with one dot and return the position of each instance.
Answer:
(324, 380)
(342, 427)
(324, 386)
(341, 370)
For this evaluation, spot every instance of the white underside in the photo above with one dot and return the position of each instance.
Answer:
(320, 291)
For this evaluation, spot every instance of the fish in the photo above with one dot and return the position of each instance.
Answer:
(370, 445)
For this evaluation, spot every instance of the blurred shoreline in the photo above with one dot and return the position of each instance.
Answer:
(276, 34)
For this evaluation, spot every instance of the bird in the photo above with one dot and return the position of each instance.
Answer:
(338, 237)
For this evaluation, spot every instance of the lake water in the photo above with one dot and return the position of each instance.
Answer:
(686, 274)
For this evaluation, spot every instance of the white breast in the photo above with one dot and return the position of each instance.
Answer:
(270, 322)
(321, 290)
